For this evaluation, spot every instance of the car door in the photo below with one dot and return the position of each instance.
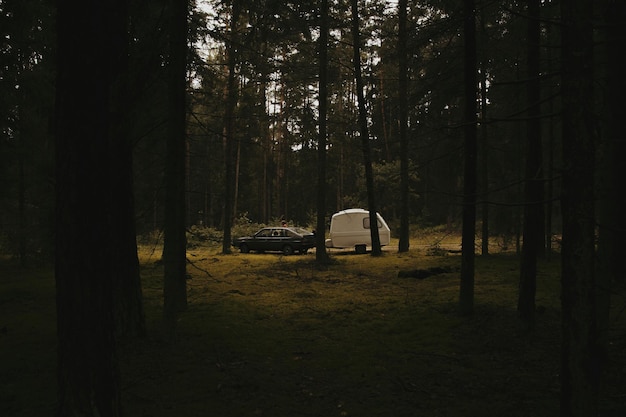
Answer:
(261, 240)
(275, 240)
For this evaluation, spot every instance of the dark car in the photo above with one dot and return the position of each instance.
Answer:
(277, 239)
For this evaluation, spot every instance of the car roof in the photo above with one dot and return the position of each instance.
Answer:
(294, 229)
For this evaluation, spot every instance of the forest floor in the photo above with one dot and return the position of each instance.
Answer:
(270, 335)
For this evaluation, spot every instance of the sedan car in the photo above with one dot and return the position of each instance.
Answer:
(282, 239)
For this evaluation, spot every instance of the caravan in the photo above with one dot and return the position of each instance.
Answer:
(351, 228)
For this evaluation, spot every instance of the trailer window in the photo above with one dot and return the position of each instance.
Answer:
(366, 223)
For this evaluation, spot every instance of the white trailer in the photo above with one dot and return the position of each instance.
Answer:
(351, 229)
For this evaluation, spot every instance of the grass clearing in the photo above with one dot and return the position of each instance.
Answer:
(269, 335)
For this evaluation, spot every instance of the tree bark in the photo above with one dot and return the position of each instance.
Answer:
(21, 193)
(403, 83)
(321, 255)
(532, 245)
(91, 210)
(364, 131)
(128, 298)
(466, 298)
(484, 240)
(611, 265)
(175, 240)
(580, 372)
(231, 103)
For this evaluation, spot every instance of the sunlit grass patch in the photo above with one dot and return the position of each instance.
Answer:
(286, 335)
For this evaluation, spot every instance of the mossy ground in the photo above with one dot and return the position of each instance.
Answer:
(269, 335)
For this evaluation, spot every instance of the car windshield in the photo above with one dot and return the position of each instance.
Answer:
(300, 231)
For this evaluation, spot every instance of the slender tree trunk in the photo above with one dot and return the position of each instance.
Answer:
(265, 189)
(466, 299)
(403, 83)
(580, 370)
(321, 255)
(23, 140)
(381, 81)
(175, 241)
(533, 188)
(340, 179)
(484, 138)
(21, 193)
(364, 132)
(611, 264)
(550, 151)
(231, 103)
(88, 222)
(266, 141)
(236, 179)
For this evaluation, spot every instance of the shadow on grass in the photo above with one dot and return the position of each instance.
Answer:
(280, 336)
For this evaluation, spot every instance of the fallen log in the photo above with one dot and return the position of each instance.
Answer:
(424, 273)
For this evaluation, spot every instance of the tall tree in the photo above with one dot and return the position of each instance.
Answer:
(128, 300)
(579, 373)
(364, 131)
(611, 265)
(466, 299)
(616, 82)
(91, 209)
(229, 126)
(484, 58)
(175, 240)
(532, 245)
(320, 245)
(403, 243)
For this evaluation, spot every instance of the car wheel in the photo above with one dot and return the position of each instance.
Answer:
(244, 248)
(360, 249)
(303, 251)
(287, 250)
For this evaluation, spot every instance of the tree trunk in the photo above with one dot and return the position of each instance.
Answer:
(236, 178)
(321, 255)
(21, 193)
(128, 299)
(611, 265)
(533, 228)
(466, 299)
(549, 189)
(364, 132)
(91, 211)
(231, 103)
(175, 241)
(403, 83)
(579, 373)
(484, 240)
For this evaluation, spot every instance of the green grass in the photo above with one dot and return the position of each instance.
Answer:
(27, 341)
(270, 335)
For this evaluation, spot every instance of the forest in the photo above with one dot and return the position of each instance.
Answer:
(179, 125)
